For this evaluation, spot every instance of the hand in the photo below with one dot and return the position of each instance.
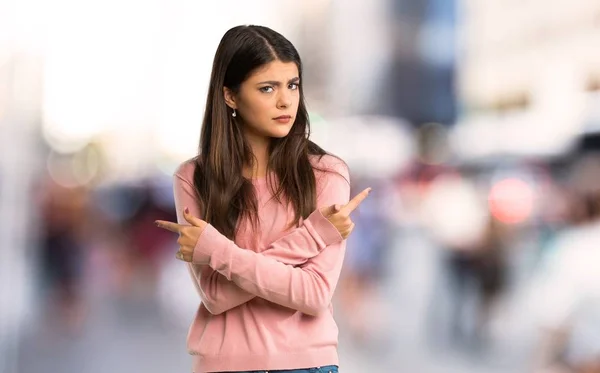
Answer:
(339, 215)
(188, 234)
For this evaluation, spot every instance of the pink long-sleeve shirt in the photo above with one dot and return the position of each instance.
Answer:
(266, 296)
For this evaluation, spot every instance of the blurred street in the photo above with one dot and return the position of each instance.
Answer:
(476, 123)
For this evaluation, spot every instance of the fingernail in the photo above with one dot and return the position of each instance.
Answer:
(157, 224)
(369, 190)
(187, 211)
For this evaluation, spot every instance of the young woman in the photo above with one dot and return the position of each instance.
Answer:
(263, 214)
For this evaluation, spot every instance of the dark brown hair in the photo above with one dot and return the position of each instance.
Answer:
(226, 196)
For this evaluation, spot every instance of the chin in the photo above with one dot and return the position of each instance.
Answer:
(280, 133)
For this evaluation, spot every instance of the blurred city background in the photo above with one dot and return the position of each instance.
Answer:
(476, 122)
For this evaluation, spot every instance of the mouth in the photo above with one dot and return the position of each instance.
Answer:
(283, 119)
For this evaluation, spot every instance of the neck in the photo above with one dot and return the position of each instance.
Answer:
(260, 149)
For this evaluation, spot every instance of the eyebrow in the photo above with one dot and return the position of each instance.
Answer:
(276, 83)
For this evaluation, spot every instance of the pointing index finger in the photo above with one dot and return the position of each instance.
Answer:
(173, 227)
(354, 202)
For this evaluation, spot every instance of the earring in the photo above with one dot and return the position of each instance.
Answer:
(234, 114)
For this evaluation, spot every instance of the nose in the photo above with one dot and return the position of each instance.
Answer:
(284, 100)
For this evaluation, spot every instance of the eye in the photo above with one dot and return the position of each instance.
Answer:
(267, 89)
(294, 86)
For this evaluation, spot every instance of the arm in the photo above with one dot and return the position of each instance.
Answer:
(218, 294)
(308, 288)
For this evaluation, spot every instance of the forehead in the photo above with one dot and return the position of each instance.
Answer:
(276, 71)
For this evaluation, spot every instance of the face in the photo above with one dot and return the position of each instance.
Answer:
(267, 102)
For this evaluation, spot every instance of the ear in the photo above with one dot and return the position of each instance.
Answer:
(229, 98)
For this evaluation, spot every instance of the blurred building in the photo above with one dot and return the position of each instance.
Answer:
(529, 75)
(390, 58)
(420, 79)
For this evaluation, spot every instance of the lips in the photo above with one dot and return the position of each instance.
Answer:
(283, 117)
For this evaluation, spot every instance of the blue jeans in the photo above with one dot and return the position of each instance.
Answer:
(325, 369)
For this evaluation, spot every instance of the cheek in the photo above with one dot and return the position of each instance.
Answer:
(297, 99)
(266, 105)
(257, 107)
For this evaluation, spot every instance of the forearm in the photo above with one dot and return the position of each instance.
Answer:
(306, 288)
(219, 294)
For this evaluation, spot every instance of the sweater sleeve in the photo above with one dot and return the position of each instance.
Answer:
(219, 294)
(216, 292)
(307, 288)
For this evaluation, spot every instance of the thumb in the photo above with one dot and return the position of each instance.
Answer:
(196, 222)
(330, 210)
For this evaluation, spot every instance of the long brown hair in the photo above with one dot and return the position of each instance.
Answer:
(226, 195)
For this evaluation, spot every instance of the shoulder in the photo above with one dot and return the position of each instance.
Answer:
(185, 171)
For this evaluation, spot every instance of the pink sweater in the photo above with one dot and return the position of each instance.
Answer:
(266, 297)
